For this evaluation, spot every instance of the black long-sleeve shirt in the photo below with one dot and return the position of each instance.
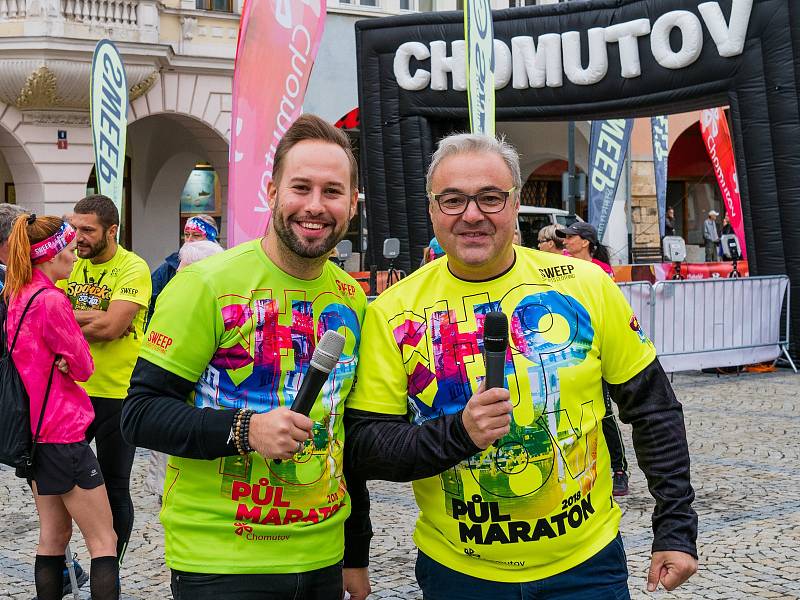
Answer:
(155, 415)
(389, 447)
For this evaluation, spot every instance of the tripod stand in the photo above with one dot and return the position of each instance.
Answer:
(393, 275)
(677, 276)
(735, 270)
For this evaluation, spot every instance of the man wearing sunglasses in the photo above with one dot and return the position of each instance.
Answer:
(513, 483)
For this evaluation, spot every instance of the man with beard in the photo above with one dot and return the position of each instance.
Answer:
(255, 501)
(109, 289)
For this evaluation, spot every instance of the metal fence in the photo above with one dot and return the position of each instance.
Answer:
(639, 295)
(704, 323)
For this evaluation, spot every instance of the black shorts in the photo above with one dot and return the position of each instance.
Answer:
(58, 468)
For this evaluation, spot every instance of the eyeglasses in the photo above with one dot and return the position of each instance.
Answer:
(542, 241)
(488, 202)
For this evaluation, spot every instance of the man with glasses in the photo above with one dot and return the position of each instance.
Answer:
(513, 484)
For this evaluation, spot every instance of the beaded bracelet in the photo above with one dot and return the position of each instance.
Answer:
(241, 431)
(246, 431)
(236, 430)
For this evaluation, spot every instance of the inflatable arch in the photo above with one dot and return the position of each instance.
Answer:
(591, 60)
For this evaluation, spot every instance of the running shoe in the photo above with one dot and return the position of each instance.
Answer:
(620, 483)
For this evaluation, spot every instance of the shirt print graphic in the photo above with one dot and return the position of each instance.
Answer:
(265, 353)
(552, 442)
(90, 294)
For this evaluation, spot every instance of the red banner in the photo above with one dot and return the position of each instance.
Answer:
(666, 271)
(278, 42)
(717, 138)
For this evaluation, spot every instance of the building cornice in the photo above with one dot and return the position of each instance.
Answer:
(47, 79)
(160, 56)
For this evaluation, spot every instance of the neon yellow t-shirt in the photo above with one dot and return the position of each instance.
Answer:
(93, 287)
(539, 502)
(245, 331)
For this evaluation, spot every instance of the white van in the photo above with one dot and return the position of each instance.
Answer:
(532, 218)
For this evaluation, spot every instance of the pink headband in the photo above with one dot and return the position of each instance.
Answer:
(197, 225)
(49, 247)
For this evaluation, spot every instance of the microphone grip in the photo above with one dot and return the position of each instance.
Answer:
(495, 369)
(495, 374)
(313, 381)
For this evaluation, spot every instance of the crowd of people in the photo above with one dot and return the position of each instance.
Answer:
(515, 485)
(77, 300)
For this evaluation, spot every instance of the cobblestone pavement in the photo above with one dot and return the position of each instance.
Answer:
(743, 434)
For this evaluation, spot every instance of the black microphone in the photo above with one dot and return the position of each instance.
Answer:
(495, 347)
(323, 360)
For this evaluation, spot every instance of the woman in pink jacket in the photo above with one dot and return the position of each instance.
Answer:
(67, 483)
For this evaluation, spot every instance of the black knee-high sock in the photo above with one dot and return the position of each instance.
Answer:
(104, 578)
(48, 573)
(122, 513)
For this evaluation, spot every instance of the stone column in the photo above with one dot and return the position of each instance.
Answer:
(43, 18)
(148, 21)
(644, 211)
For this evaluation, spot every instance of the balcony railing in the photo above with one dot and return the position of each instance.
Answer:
(120, 20)
(12, 9)
(100, 12)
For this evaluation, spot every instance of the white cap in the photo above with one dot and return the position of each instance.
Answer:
(713, 213)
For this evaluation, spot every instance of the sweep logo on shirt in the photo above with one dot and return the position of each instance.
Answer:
(558, 272)
(538, 501)
(158, 341)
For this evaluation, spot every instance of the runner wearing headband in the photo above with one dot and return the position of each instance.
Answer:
(66, 479)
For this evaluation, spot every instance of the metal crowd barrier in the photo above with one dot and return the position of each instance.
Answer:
(720, 322)
(639, 295)
(705, 323)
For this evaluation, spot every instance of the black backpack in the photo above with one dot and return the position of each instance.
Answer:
(17, 447)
